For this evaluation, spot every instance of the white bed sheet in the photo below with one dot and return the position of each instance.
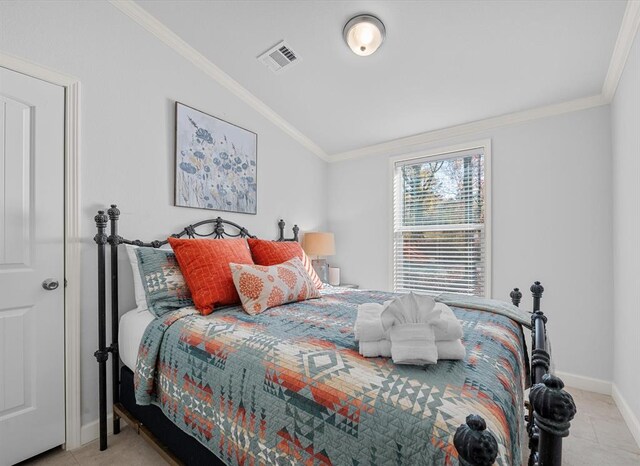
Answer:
(130, 333)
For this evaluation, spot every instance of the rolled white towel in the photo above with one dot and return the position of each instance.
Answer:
(413, 343)
(370, 325)
(447, 312)
(370, 309)
(447, 327)
(452, 349)
(369, 329)
(375, 349)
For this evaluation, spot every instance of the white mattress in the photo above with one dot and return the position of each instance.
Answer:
(132, 327)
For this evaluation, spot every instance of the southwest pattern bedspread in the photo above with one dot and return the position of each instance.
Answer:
(288, 386)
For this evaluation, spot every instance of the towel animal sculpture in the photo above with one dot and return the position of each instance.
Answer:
(411, 329)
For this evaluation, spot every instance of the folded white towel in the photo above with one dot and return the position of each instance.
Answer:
(452, 349)
(413, 343)
(409, 329)
(375, 349)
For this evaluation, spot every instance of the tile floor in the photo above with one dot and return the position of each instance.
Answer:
(599, 437)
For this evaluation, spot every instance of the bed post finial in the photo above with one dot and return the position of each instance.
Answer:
(114, 212)
(281, 236)
(476, 446)
(101, 222)
(516, 296)
(553, 408)
(536, 291)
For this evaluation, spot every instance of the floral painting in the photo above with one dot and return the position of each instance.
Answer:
(216, 163)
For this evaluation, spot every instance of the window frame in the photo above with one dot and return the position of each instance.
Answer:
(435, 155)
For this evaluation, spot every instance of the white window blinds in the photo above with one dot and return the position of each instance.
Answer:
(439, 224)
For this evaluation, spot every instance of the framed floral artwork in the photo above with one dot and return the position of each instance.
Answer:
(216, 163)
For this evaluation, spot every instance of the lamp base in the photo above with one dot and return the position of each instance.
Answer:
(321, 268)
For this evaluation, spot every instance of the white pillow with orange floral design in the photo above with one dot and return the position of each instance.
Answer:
(261, 287)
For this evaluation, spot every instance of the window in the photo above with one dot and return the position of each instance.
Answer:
(440, 228)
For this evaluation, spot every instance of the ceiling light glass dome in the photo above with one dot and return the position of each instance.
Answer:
(364, 34)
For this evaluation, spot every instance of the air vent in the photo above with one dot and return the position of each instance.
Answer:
(279, 57)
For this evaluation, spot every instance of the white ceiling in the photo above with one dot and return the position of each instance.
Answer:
(443, 63)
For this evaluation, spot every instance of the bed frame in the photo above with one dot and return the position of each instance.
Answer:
(550, 408)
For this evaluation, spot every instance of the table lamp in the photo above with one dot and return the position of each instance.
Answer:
(318, 245)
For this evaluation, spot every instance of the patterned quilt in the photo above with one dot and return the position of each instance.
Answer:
(288, 386)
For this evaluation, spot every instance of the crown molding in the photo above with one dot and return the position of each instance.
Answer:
(166, 35)
(405, 143)
(626, 36)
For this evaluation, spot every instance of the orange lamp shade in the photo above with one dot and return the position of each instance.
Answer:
(316, 243)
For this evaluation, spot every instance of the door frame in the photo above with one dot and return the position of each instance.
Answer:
(72, 239)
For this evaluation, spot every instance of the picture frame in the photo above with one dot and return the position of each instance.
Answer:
(216, 163)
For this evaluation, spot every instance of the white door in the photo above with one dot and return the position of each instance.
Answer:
(31, 251)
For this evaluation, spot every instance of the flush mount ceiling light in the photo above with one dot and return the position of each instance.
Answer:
(364, 34)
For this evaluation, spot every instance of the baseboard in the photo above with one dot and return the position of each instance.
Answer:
(606, 388)
(630, 418)
(91, 431)
(585, 383)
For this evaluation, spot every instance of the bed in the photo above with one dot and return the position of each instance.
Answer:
(289, 386)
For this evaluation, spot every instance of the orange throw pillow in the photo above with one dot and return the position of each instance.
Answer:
(205, 266)
(276, 252)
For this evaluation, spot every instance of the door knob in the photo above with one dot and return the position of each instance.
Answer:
(50, 284)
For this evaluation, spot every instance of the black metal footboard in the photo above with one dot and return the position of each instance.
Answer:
(550, 407)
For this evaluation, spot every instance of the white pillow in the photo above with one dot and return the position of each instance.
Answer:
(141, 296)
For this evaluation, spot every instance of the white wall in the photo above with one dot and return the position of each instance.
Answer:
(551, 222)
(130, 81)
(625, 122)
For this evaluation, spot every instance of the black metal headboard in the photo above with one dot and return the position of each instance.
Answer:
(217, 231)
